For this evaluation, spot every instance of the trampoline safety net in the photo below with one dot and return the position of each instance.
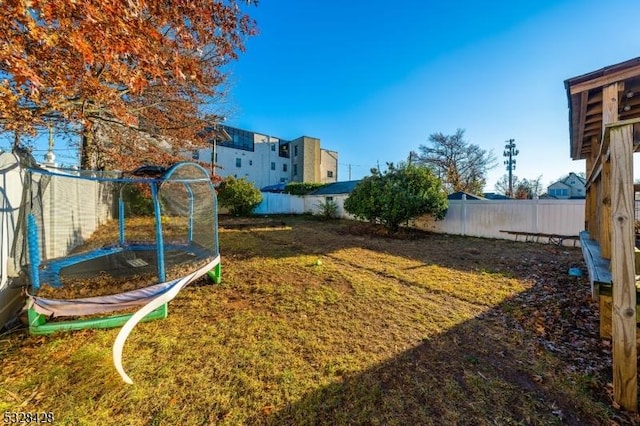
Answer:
(103, 242)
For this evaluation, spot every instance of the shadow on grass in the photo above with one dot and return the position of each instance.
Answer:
(487, 370)
(483, 371)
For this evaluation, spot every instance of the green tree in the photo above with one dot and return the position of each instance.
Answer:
(401, 193)
(239, 195)
(461, 165)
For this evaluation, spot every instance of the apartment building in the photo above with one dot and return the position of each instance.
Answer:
(266, 160)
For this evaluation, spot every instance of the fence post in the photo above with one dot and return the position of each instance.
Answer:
(536, 214)
(464, 214)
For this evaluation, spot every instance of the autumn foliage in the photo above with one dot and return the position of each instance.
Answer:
(141, 64)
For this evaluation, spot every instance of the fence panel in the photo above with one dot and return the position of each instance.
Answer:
(280, 204)
(11, 184)
(313, 204)
(478, 218)
(487, 218)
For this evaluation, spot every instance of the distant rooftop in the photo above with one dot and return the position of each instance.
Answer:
(345, 187)
(458, 196)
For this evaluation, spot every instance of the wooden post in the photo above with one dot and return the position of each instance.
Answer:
(605, 208)
(605, 252)
(593, 202)
(588, 196)
(625, 388)
(609, 115)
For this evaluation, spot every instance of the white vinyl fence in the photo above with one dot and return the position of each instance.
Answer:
(280, 204)
(478, 218)
(72, 210)
(491, 218)
(11, 179)
(293, 204)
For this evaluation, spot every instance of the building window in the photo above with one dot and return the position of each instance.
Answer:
(284, 167)
(329, 173)
(273, 165)
(240, 139)
(273, 147)
(295, 170)
(251, 162)
(283, 180)
(238, 162)
(195, 154)
(284, 150)
(573, 182)
(295, 150)
(327, 199)
(560, 192)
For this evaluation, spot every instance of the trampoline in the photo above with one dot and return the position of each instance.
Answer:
(101, 244)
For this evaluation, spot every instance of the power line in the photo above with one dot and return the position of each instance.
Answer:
(349, 166)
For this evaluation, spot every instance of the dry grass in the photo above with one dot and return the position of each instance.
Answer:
(322, 323)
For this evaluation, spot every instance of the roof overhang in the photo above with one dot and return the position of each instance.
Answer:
(585, 95)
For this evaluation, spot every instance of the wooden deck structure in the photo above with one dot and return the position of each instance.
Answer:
(604, 120)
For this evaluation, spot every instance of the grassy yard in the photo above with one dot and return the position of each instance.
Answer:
(336, 323)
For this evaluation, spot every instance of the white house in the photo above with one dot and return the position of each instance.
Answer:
(266, 160)
(573, 186)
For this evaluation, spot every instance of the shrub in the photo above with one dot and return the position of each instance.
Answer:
(301, 188)
(397, 195)
(138, 199)
(327, 209)
(239, 195)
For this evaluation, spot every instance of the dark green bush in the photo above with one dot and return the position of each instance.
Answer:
(398, 195)
(239, 195)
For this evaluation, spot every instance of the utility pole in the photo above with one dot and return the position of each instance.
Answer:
(213, 153)
(216, 128)
(510, 151)
(50, 158)
(349, 166)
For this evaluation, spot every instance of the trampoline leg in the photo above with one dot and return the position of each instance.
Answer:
(35, 319)
(215, 275)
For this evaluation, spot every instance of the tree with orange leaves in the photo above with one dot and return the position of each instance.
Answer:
(141, 65)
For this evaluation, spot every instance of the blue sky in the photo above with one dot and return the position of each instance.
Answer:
(374, 79)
